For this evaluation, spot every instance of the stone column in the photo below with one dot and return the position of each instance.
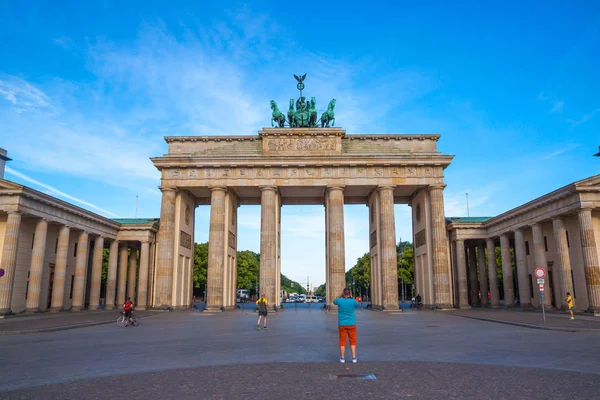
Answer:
(131, 280)
(539, 252)
(268, 243)
(473, 276)
(142, 295)
(562, 265)
(60, 270)
(590, 259)
(336, 257)
(37, 267)
(215, 273)
(461, 273)
(522, 270)
(122, 286)
(9, 260)
(80, 272)
(493, 273)
(96, 273)
(483, 279)
(166, 250)
(507, 275)
(439, 238)
(111, 277)
(387, 248)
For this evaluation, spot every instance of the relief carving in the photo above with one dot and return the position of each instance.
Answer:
(303, 144)
(395, 171)
(411, 171)
(231, 241)
(176, 173)
(360, 171)
(378, 171)
(428, 171)
(242, 172)
(294, 173)
(420, 238)
(226, 172)
(185, 240)
(192, 173)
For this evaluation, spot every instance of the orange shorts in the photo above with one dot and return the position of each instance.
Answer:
(350, 331)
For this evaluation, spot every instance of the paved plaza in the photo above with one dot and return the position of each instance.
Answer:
(202, 355)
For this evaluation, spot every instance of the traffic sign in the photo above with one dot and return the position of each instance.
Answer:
(540, 281)
(1, 271)
(540, 273)
(541, 288)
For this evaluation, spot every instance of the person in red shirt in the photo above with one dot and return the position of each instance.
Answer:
(128, 308)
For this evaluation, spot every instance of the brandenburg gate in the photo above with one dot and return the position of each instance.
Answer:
(311, 165)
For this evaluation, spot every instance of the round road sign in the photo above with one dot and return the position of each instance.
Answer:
(540, 273)
(1, 271)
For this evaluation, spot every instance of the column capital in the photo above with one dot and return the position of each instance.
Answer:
(459, 240)
(268, 188)
(558, 218)
(520, 229)
(440, 186)
(217, 188)
(505, 234)
(13, 212)
(167, 189)
(385, 187)
(585, 209)
(336, 187)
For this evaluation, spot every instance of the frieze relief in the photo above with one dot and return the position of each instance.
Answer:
(301, 144)
(434, 173)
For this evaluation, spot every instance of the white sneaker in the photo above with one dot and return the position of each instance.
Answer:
(354, 360)
(342, 360)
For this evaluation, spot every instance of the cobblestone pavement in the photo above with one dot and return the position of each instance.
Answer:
(554, 320)
(191, 354)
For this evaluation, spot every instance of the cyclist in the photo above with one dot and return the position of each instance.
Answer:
(128, 308)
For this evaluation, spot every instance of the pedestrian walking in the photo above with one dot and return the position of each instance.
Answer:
(346, 323)
(262, 311)
(569, 301)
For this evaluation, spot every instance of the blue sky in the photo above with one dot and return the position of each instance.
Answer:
(89, 89)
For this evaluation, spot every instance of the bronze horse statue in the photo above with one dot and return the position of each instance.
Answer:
(312, 113)
(291, 113)
(329, 115)
(277, 115)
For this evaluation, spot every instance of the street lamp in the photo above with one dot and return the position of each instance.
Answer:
(598, 153)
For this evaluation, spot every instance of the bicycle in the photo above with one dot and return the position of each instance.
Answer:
(122, 321)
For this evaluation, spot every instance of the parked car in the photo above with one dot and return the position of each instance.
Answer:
(242, 294)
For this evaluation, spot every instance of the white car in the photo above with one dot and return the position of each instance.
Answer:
(242, 294)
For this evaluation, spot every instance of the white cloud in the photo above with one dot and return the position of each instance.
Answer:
(557, 106)
(58, 193)
(23, 96)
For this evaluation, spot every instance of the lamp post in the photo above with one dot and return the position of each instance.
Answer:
(598, 153)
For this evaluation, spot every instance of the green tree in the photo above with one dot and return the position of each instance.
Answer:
(321, 291)
(406, 262)
(248, 266)
(200, 265)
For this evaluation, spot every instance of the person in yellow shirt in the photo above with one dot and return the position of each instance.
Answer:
(262, 310)
(569, 301)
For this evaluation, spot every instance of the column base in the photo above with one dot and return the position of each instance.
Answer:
(595, 311)
(76, 308)
(56, 309)
(495, 306)
(32, 310)
(93, 308)
(138, 308)
(464, 307)
(5, 311)
(442, 307)
(109, 307)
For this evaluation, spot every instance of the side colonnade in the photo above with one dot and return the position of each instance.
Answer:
(51, 255)
(558, 232)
